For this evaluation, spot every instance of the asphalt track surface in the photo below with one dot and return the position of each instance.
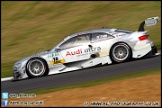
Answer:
(73, 77)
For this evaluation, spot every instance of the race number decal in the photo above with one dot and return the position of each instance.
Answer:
(56, 61)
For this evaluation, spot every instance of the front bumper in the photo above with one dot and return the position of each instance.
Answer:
(19, 74)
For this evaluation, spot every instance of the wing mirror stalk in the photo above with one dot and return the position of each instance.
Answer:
(90, 46)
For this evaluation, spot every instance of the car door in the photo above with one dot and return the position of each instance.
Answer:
(101, 41)
(75, 48)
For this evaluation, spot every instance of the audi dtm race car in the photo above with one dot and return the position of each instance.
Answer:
(86, 49)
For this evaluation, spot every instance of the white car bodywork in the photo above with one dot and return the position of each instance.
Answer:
(97, 50)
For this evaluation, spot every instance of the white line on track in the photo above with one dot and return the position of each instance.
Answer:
(157, 54)
(6, 79)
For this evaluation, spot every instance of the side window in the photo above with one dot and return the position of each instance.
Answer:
(101, 36)
(76, 41)
(81, 40)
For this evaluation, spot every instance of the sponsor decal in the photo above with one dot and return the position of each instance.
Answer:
(93, 49)
(56, 61)
(122, 34)
(70, 53)
(102, 36)
(98, 37)
(85, 51)
(53, 55)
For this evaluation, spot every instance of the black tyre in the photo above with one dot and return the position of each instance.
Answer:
(36, 67)
(120, 52)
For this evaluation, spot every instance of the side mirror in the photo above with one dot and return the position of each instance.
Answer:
(90, 46)
(57, 49)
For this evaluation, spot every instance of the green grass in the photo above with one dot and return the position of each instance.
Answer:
(7, 67)
(98, 82)
(38, 25)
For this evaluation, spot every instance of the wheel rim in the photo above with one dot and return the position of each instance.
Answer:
(120, 52)
(36, 67)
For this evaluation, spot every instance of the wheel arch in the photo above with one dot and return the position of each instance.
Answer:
(131, 52)
(47, 70)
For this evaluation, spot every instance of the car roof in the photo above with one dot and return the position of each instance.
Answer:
(106, 30)
(91, 31)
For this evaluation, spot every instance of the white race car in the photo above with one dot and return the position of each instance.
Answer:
(87, 49)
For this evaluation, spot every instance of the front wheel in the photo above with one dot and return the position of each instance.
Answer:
(36, 67)
(120, 52)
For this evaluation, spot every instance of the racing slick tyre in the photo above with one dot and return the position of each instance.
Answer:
(120, 52)
(36, 67)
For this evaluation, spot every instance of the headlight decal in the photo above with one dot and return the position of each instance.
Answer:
(18, 65)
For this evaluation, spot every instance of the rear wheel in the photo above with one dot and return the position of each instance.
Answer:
(120, 52)
(36, 67)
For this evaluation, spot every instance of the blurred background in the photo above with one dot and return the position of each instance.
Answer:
(30, 26)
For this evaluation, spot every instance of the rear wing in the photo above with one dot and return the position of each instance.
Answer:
(148, 22)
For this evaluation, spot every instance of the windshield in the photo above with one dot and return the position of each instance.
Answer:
(57, 46)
